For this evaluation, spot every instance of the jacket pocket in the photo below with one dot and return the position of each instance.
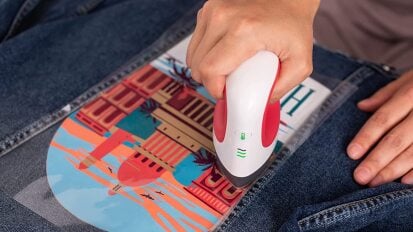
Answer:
(385, 208)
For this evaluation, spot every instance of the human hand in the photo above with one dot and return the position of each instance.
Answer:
(231, 31)
(391, 129)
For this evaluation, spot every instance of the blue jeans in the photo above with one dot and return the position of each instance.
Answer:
(310, 187)
(51, 55)
(53, 52)
(70, 46)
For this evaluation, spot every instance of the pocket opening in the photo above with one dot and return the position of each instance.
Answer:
(352, 209)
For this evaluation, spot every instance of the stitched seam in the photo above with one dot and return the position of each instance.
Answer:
(346, 210)
(87, 7)
(359, 202)
(174, 33)
(24, 10)
(302, 134)
(381, 68)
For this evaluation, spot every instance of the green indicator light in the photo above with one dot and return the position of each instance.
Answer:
(242, 136)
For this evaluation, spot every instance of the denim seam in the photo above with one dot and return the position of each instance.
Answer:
(338, 96)
(88, 6)
(303, 133)
(24, 10)
(382, 68)
(174, 33)
(334, 214)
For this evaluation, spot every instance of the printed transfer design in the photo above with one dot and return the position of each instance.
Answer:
(140, 157)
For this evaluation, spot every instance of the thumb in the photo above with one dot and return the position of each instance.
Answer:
(292, 72)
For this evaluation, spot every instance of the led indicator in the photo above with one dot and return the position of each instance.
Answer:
(242, 136)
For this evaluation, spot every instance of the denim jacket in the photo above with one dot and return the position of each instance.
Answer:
(57, 56)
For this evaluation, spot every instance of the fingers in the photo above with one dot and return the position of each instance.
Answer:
(384, 94)
(408, 178)
(391, 113)
(212, 21)
(245, 28)
(196, 38)
(213, 34)
(390, 129)
(222, 59)
(293, 71)
(390, 147)
(397, 168)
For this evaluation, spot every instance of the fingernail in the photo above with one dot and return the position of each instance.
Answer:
(364, 102)
(362, 175)
(354, 150)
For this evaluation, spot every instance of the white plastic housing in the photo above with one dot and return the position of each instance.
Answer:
(247, 92)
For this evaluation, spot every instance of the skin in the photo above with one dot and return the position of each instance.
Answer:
(386, 139)
(230, 31)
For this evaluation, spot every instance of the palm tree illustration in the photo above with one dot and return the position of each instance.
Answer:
(182, 75)
(148, 107)
(205, 158)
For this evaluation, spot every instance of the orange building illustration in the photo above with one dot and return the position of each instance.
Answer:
(184, 127)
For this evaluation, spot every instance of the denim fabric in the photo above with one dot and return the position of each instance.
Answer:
(312, 188)
(15, 217)
(50, 58)
(53, 51)
(8, 11)
(23, 177)
(55, 54)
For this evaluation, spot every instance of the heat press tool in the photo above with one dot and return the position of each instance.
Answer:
(245, 121)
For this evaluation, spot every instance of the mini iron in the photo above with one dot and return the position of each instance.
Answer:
(245, 122)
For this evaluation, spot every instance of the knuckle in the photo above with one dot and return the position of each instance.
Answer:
(387, 173)
(244, 27)
(374, 164)
(218, 13)
(394, 140)
(380, 118)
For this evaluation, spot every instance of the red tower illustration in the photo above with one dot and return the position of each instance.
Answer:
(186, 124)
(187, 111)
(213, 189)
(102, 115)
(108, 109)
